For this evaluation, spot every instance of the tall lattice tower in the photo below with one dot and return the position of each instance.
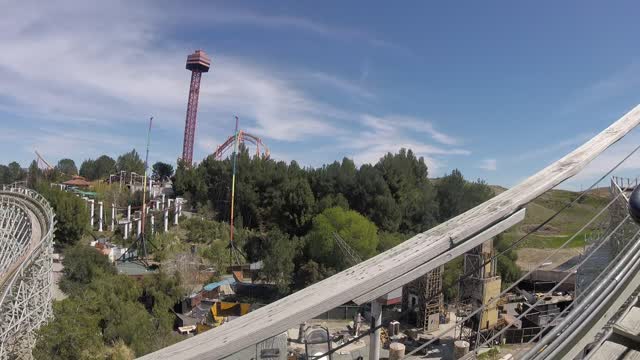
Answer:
(198, 63)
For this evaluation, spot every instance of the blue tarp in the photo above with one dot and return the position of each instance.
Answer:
(215, 285)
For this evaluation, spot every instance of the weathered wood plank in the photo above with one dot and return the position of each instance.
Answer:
(383, 268)
(453, 252)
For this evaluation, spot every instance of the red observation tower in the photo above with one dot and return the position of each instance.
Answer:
(197, 63)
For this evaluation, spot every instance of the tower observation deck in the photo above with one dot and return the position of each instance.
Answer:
(197, 63)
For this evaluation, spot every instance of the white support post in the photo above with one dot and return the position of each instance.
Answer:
(150, 186)
(374, 338)
(176, 212)
(169, 201)
(139, 226)
(92, 211)
(153, 230)
(128, 220)
(179, 200)
(113, 217)
(101, 212)
(162, 204)
(166, 220)
(126, 230)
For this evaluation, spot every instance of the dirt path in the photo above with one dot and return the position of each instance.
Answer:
(528, 258)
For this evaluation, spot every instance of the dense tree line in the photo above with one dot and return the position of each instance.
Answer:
(106, 315)
(294, 212)
(11, 173)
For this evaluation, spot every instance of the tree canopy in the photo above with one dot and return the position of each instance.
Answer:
(67, 167)
(99, 168)
(130, 162)
(162, 171)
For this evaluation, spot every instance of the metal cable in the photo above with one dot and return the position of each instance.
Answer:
(510, 287)
(558, 284)
(586, 291)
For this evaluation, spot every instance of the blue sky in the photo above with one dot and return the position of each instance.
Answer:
(496, 89)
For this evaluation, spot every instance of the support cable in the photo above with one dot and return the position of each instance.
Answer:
(538, 302)
(597, 280)
(513, 285)
(512, 245)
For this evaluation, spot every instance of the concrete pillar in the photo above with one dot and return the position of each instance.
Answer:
(92, 211)
(139, 226)
(396, 351)
(113, 217)
(126, 230)
(153, 230)
(101, 212)
(374, 338)
(162, 205)
(166, 220)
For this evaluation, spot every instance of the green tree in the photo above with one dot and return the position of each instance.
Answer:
(88, 169)
(72, 219)
(450, 195)
(278, 258)
(67, 167)
(406, 177)
(162, 171)
(130, 162)
(297, 209)
(72, 334)
(34, 174)
(15, 172)
(358, 232)
(103, 167)
(83, 264)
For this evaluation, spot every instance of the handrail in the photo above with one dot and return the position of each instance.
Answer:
(386, 267)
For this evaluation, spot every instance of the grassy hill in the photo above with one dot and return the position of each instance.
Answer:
(562, 227)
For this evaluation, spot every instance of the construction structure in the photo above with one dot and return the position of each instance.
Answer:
(424, 301)
(197, 63)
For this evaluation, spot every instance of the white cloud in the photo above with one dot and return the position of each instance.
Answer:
(105, 63)
(389, 134)
(488, 164)
(86, 70)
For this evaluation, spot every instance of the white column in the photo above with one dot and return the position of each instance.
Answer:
(374, 338)
(150, 186)
(128, 219)
(126, 230)
(176, 213)
(153, 230)
(179, 200)
(162, 205)
(113, 217)
(166, 220)
(93, 211)
(101, 212)
(139, 226)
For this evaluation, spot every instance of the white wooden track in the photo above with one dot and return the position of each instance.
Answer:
(394, 267)
(26, 245)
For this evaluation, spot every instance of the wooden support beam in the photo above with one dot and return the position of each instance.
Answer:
(453, 252)
(365, 277)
